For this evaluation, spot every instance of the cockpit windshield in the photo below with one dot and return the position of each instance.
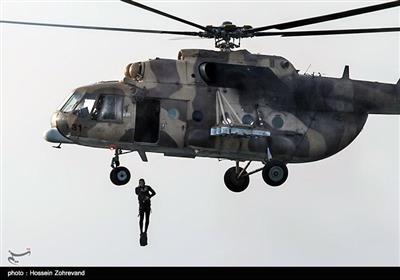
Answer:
(85, 106)
(100, 107)
(71, 102)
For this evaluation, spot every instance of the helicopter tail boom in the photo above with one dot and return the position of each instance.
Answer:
(377, 98)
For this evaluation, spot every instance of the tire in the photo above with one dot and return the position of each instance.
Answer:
(275, 173)
(234, 184)
(120, 176)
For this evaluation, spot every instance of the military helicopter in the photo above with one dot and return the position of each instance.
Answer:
(225, 104)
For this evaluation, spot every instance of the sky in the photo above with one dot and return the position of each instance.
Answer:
(60, 203)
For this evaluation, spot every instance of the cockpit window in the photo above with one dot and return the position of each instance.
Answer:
(71, 102)
(85, 106)
(108, 108)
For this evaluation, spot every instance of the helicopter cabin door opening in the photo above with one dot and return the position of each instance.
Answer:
(147, 123)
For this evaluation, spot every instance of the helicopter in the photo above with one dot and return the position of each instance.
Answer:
(225, 104)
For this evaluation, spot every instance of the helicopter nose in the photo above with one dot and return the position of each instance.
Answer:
(53, 135)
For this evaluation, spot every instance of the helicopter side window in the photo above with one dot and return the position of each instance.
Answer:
(71, 102)
(108, 108)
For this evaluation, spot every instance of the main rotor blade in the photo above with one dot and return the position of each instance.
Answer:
(188, 33)
(327, 32)
(165, 14)
(324, 18)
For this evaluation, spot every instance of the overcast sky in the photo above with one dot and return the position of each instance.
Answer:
(343, 210)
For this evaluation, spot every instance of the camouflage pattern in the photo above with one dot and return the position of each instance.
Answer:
(309, 117)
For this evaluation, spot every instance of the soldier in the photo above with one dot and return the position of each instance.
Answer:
(144, 193)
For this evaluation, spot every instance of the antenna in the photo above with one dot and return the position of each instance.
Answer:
(305, 73)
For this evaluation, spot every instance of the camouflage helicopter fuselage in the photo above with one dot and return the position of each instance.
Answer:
(308, 117)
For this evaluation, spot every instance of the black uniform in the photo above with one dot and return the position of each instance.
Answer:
(144, 194)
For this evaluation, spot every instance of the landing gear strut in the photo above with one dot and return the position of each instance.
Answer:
(119, 175)
(274, 173)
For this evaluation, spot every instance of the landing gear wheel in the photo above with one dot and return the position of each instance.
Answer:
(234, 183)
(275, 173)
(120, 176)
